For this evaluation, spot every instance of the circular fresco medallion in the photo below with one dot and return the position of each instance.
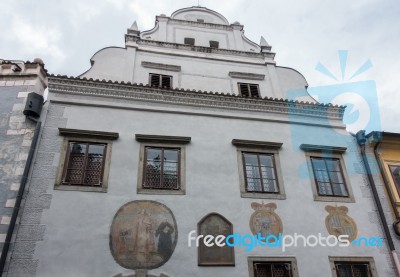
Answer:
(264, 220)
(143, 235)
(339, 223)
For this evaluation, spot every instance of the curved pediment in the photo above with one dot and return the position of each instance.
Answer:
(199, 13)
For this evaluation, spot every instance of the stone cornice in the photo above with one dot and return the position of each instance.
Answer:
(88, 133)
(201, 49)
(256, 143)
(322, 148)
(140, 92)
(162, 139)
(203, 24)
(245, 75)
(161, 66)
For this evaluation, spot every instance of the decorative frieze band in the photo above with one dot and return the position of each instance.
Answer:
(70, 85)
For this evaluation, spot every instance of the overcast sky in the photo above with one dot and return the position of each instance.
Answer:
(66, 33)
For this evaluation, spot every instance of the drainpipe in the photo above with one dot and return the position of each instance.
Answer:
(378, 138)
(361, 140)
(32, 109)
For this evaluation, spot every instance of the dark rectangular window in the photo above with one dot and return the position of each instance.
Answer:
(200, 20)
(272, 269)
(328, 176)
(214, 44)
(249, 90)
(84, 164)
(395, 171)
(161, 169)
(189, 41)
(352, 269)
(260, 172)
(160, 81)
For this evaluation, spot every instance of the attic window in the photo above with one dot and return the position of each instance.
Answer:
(200, 20)
(160, 81)
(189, 41)
(214, 44)
(249, 90)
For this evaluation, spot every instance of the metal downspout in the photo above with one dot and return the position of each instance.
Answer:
(361, 140)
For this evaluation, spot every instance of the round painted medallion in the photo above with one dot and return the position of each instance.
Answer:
(143, 235)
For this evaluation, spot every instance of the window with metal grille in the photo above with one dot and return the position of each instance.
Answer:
(353, 269)
(161, 169)
(160, 81)
(328, 175)
(214, 44)
(189, 41)
(84, 164)
(272, 269)
(260, 172)
(249, 90)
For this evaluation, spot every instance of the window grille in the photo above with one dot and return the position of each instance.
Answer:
(161, 170)
(84, 164)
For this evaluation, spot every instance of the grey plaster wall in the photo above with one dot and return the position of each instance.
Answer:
(66, 233)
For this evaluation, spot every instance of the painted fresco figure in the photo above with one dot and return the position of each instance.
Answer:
(164, 247)
(143, 234)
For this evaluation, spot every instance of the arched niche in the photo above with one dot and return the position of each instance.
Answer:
(215, 225)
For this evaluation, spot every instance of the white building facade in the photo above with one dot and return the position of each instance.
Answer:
(188, 128)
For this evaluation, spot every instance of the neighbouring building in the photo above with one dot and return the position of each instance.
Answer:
(18, 79)
(186, 131)
(384, 148)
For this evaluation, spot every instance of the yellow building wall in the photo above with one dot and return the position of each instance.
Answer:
(390, 155)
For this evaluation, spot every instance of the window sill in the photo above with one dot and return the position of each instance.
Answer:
(80, 188)
(161, 191)
(334, 199)
(263, 195)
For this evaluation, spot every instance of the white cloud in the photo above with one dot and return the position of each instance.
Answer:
(301, 33)
(34, 39)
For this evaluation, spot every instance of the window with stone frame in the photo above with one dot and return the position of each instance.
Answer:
(84, 160)
(328, 175)
(349, 269)
(189, 41)
(84, 165)
(260, 266)
(214, 44)
(249, 90)
(260, 172)
(395, 172)
(353, 266)
(259, 169)
(274, 269)
(161, 170)
(162, 164)
(160, 81)
(327, 171)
